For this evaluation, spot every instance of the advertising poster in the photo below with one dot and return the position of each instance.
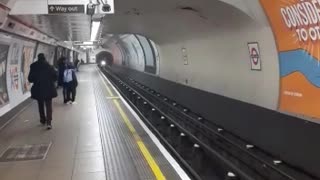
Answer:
(4, 98)
(14, 67)
(295, 24)
(27, 58)
(14, 74)
(15, 54)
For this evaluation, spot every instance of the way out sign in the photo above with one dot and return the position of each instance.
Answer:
(255, 58)
(65, 9)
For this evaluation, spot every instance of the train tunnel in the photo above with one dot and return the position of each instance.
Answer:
(205, 90)
(105, 58)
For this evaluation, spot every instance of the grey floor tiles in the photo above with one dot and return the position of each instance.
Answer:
(79, 150)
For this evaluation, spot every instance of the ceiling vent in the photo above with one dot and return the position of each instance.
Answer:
(188, 8)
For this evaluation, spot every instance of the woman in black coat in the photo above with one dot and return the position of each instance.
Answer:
(61, 67)
(43, 76)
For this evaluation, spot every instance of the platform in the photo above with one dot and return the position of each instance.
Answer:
(98, 138)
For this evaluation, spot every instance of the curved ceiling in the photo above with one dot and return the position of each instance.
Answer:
(163, 21)
(61, 27)
(169, 21)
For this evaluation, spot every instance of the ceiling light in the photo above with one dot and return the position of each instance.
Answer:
(94, 29)
(88, 43)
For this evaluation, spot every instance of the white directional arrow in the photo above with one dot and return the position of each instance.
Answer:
(51, 8)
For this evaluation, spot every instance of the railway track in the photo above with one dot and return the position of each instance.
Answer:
(206, 150)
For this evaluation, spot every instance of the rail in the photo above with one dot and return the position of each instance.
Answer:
(192, 138)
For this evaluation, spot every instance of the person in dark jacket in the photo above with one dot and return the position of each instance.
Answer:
(70, 82)
(43, 76)
(61, 67)
(62, 64)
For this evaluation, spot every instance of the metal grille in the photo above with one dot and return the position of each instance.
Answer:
(25, 152)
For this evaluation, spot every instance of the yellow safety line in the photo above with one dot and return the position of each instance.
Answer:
(145, 152)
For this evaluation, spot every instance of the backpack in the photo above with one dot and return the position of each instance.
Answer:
(67, 76)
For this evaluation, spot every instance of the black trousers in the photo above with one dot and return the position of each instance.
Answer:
(64, 93)
(71, 92)
(45, 104)
(77, 67)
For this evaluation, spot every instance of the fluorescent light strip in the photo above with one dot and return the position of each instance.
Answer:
(94, 30)
(88, 43)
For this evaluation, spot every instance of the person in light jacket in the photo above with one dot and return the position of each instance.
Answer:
(70, 82)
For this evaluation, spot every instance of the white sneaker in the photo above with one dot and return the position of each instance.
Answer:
(69, 102)
(74, 102)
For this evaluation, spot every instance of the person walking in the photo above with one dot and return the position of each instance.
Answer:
(71, 83)
(43, 76)
(62, 65)
(77, 64)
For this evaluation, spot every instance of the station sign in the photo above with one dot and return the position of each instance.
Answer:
(254, 54)
(66, 9)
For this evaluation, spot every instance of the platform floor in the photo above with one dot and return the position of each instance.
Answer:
(96, 139)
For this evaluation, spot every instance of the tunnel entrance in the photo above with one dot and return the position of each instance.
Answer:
(104, 56)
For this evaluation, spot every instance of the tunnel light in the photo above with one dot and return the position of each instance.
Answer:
(103, 63)
(94, 30)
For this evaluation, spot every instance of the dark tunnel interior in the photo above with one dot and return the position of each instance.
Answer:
(105, 56)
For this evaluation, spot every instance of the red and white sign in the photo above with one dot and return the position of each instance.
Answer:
(255, 58)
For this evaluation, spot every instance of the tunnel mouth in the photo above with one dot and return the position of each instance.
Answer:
(105, 58)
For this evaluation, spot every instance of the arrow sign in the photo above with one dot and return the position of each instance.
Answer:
(52, 8)
(65, 9)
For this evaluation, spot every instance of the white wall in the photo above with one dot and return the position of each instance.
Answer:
(215, 36)
(83, 56)
(220, 64)
(116, 53)
(135, 53)
(48, 51)
(156, 51)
